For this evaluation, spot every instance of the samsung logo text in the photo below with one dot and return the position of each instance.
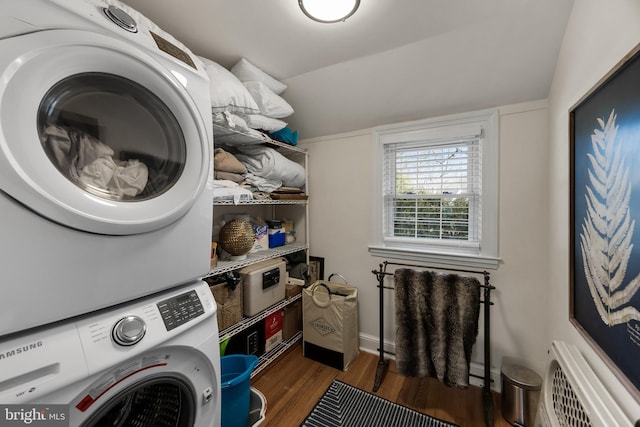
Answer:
(19, 350)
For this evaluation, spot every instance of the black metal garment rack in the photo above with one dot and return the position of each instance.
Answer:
(383, 364)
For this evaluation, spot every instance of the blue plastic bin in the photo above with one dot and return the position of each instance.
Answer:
(236, 388)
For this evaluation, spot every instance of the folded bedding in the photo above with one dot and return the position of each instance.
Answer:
(230, 121)
(263, 184)
(226, 162)
(229, 190)
(234, 130)
(270, 104)
(267, 124)
(227, 93)
(267, 163)
(230, 176)
(245, 71)
(245, 100)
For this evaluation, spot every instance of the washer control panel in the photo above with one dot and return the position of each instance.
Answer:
(113, 336)
(180, 309)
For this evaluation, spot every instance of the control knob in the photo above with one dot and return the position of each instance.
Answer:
(129, 330)
(121, 18)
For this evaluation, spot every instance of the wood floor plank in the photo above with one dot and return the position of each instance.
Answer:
(293, 384)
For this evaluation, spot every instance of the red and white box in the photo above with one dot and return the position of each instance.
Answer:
(272, 330)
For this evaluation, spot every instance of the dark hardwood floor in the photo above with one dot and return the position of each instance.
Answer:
(293, 384)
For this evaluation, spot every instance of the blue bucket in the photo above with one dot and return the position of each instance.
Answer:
(236, 388)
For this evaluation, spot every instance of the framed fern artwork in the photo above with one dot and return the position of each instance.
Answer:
(605, 219)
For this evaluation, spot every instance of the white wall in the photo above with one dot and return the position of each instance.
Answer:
(599, 34)
(340, 174)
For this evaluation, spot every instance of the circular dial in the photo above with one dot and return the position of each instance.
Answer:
(129, 330)
(121, 18)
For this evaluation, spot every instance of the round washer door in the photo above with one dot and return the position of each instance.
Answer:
(153, 402)
(97, 135)
(175, 386)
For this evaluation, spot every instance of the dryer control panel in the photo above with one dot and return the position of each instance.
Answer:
(180, 309)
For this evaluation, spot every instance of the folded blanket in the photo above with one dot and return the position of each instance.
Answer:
(436, 324)
(229, 190)
(229, 176)
(263, 184)
(267, 163)
(227, 162)
(231, 121)
(235, 130)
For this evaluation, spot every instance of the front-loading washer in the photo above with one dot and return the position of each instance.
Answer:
(105, 160)
(149, 363)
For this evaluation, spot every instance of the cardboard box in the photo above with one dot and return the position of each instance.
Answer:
(230, 303)
(291, 320)
(287, 225)
(272, 330)
(293, 287)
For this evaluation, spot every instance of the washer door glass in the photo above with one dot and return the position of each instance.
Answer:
(161, 402)
(111, 137)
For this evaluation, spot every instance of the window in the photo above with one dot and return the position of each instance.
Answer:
(437, 190)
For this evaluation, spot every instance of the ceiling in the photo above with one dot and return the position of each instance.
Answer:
(391, 61)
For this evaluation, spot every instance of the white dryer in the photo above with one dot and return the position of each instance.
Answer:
(151, 363)
(105, 160)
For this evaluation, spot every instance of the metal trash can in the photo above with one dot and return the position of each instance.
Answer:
(520, 394)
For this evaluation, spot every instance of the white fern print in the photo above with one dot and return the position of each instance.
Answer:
(608, 228)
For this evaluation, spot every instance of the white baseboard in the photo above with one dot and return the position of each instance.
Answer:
(370, 344)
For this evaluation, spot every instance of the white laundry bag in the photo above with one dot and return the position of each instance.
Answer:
(330, 323)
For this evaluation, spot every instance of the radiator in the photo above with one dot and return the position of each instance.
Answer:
(573, 396)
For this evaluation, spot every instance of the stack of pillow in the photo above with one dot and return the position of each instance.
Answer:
(246, 96)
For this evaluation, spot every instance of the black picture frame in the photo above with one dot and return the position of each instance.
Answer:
(316, 269)
(604, 300)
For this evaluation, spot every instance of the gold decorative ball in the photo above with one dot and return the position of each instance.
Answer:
(237, 237)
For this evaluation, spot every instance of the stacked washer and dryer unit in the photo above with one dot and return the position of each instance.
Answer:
(105, 194)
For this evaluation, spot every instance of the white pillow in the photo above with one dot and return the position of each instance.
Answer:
(226, 91)
(247, 72)
(257, 121)
(230, 121)
(270, 104)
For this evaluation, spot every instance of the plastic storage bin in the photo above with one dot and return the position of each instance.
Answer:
(236, 388)
(520, 393)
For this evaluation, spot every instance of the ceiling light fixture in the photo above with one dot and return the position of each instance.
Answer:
(329, 11)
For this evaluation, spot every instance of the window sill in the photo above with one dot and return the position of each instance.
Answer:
(442, 258)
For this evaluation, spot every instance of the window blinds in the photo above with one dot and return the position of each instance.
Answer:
(432, 188)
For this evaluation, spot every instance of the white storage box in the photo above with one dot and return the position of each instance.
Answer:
(263, 285)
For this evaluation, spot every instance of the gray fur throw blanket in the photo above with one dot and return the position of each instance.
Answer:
(436, 324)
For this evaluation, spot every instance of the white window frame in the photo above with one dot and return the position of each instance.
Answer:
(442, 252)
